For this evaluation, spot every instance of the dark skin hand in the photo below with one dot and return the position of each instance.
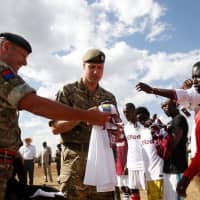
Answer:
(144, 87)
(169, 93)
(182, 186)
(187, 84)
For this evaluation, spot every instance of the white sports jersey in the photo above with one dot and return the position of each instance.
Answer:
(189, 98)
(152, 162)
(134, 156)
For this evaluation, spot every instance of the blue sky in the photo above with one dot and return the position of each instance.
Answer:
(144, 40)
(182, 18)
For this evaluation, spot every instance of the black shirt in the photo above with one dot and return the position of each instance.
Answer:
(178, 162)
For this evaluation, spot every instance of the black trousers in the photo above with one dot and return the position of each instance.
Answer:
(29, 171)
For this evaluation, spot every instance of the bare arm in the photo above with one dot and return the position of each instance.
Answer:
(59, 127)
(169, 93)
(177, 135)
(53, 110)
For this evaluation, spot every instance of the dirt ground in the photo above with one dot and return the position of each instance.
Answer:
(39, 178)
(193, 192)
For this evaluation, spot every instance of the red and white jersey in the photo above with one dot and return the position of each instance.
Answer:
(152, 162)
(134, 156)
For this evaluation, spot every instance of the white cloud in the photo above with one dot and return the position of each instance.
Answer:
(60, 31)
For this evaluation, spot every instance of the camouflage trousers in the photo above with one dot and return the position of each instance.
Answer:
(5, 173)
(72, 174)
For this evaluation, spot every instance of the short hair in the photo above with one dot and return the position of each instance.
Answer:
(129, 106)
(44, 144)
(143, 110)
(168, 101)
(197, 64)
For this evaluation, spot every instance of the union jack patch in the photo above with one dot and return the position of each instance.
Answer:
(7, 74)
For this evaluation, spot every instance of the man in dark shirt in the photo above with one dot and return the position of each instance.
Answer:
(177, 163)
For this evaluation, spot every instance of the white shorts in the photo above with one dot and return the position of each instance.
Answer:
(122, 181)
(170, 183)
(136, 179)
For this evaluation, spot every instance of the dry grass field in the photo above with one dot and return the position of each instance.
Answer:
(39, 178)
(193, 190)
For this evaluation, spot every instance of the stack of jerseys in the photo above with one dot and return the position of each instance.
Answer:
(100, 167)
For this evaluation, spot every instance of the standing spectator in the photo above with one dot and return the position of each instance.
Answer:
(45, 160)
(135, 162)
(28, 152)
(75, 135)
(177, 162)
(58, 158)
(152, 162)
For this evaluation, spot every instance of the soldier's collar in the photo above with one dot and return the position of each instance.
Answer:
(83, 86)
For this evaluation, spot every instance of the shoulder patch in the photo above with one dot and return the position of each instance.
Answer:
(7, 74)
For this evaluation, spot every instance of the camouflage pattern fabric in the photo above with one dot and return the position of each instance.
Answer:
(12, 89)
(73, 160)
(5, 174)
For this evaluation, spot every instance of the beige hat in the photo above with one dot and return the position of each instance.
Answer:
(94, 56)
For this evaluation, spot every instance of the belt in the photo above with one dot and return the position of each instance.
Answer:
(7, 156)
(77, 147)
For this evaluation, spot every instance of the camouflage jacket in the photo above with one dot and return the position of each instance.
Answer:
(12, 89)
(77, 95)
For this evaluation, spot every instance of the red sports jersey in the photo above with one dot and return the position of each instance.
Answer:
(194, 167)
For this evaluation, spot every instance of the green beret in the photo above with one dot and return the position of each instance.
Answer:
(94, 56)
(18, 40)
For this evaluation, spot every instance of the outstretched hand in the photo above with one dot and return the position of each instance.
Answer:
(144, 87)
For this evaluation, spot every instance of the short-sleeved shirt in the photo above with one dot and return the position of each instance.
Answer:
(177, 163)
(135, 159)
(152, 161)
(12, 89)
(189, 98)
(77, 95)
(194, 167)
(28, 152)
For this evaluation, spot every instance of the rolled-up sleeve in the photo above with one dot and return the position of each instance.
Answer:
(183, 97)
(12, 87)
(18, 92)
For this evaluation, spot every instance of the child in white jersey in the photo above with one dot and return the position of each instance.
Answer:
(152, 162)
(135, 164)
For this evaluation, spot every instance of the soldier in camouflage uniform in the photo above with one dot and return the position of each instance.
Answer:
(75, 136)
(16, 94)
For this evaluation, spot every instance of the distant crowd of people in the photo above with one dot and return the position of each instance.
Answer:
(44, 159)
